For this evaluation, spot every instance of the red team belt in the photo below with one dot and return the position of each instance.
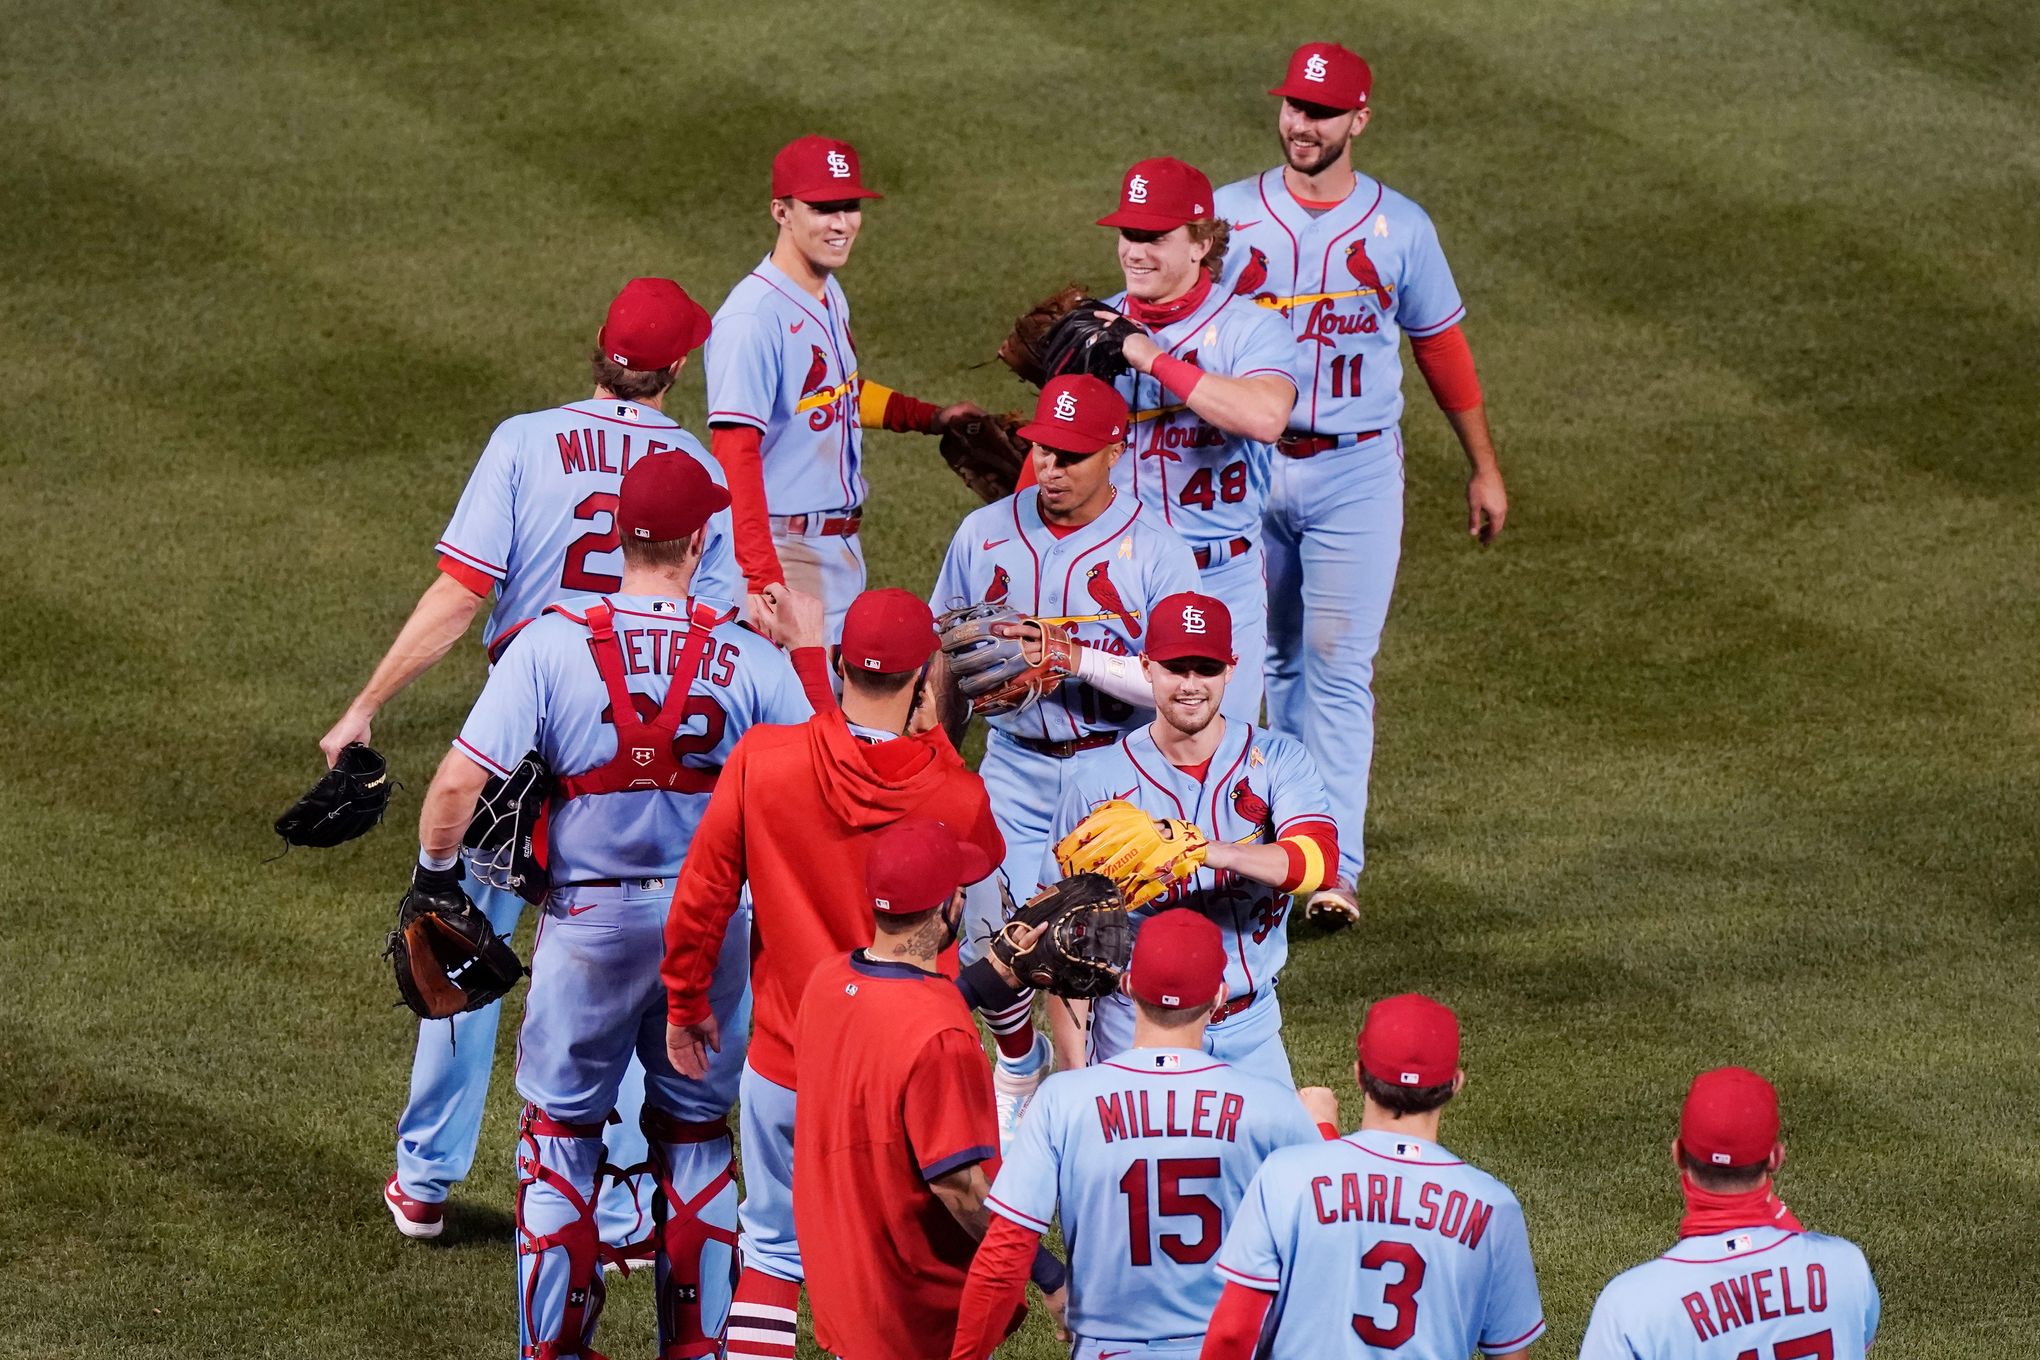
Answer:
(1232, 1008)
(818, 526)
(1063, 750)
(1298, 445)
(1220, 552)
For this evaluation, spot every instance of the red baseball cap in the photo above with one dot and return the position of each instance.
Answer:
(818, 170)
(1410, 1040)
(651, 323)
(1076, 413)
(916, 863)
(1730, 1118)
(1187, 626)
(1178, 960)
(1160, 195)
(667, 496)
(888, 630)
(1328, 75)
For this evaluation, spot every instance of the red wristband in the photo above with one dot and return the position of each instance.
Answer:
(910, 415)
(1178, 377)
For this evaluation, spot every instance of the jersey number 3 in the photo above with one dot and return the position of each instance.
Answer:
(1171, 1201)
(1401, 1295)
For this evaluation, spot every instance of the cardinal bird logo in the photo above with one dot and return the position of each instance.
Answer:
(1251, 806)
(1363, 272)
(996, 592)
(817, 373)
(1098, 583)
(1254, 276)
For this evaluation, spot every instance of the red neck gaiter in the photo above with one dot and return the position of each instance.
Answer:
(1708, 1212)
(1162, 313)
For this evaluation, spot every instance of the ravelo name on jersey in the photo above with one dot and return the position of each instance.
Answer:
(1756, 1296)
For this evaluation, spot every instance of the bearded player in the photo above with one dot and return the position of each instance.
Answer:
(536, 524)
(787, 406)
(1258, 800)
(1146, 1156)
(1353, 266)
(1210, 391)
(633, 700)
(1744, 1279)
(1091, 563)
(1381, 1242)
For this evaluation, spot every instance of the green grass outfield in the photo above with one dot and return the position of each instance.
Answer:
(1726, 752)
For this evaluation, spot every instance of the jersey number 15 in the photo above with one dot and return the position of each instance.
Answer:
(1171, 1200)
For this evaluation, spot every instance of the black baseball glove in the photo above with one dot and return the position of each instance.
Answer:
(446, 955)
(1086, 342)
(348, 800)
(1086, 945)
(505, 839)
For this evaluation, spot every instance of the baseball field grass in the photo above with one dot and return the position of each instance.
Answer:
(1725, 753)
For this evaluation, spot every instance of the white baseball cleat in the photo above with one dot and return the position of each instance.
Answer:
(1332, 907)
(1015, 1090)
(414, 1217)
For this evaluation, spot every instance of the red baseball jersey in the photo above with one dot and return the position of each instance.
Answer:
(894, 1093)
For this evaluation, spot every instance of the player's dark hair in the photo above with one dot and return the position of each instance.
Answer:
(878, 684)
(1172, 1017)
(629, 384)
(904, 922)
(667, 552)
(1723, 1180)
(1218, 232)
(1404, 1100)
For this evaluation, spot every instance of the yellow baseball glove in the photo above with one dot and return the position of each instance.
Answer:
(1143, 855)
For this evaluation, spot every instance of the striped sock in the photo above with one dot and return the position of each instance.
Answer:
(1013, 1028)
(763, 1314)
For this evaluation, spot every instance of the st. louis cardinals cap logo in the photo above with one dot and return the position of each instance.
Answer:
(839, 165)
(1193, 619)
(1314, 69)
(1065, 406)
(1136, 189)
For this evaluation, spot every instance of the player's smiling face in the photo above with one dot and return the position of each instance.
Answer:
(1160, 266)
(822, 232)
(1315, 137)
(1074, 484)
(1187, 691)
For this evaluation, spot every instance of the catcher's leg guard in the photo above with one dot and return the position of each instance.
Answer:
(559, 1285)
(696, 1218)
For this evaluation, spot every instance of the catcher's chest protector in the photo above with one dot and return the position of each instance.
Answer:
(645, 758)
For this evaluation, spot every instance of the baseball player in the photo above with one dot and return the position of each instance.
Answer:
(1070, 550)
(536, 524)
(1745, 1281)
(787, 406)
(1257, 797)
(591, 685)
(1147, 1154)
(792, 819)
(1381, 1242)
(1353, 266)
(1210, 390)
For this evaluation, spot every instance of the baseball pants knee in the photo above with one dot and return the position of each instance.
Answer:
(1241, 585)
(765, 1112)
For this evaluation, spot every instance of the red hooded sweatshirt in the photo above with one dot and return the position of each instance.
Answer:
(790, 815)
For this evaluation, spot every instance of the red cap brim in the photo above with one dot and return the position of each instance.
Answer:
(830, 193)
(1136, 220)
(1315, 94)
(1061, 438)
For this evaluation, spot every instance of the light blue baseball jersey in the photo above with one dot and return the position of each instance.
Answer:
(1351, 282)
(1762, 1292)
(1103, 580)
(539, 512)
(1259, 787)
(1207, 485)
(1148, 1155)
(546, 694)
(1382, 1244)
(783, 362)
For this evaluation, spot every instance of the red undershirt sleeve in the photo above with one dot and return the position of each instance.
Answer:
(737, 448)
(995, 1290)
(474, 578)
(811, 664)
(1446, 362)
(1236, 1323)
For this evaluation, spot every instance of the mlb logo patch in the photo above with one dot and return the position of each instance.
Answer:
(1740, 1242)
(1408, 1150)
(1166, 1061)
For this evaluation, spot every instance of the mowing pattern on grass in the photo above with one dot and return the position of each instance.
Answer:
(1724, 754)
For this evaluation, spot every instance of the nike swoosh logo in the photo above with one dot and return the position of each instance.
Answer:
(1237, 226)
(794, 329)
(576, 911)
(990, 544)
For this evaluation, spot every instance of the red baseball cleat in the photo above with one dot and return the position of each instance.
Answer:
(415, 1218)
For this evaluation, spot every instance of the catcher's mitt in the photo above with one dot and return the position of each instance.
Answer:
(1145, 856)
(348, 800)
(447, 956)
(505, 839)
(1001, 660)
(1022, 349)
(1085, 946)
(1087, 342)
(986, 454)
